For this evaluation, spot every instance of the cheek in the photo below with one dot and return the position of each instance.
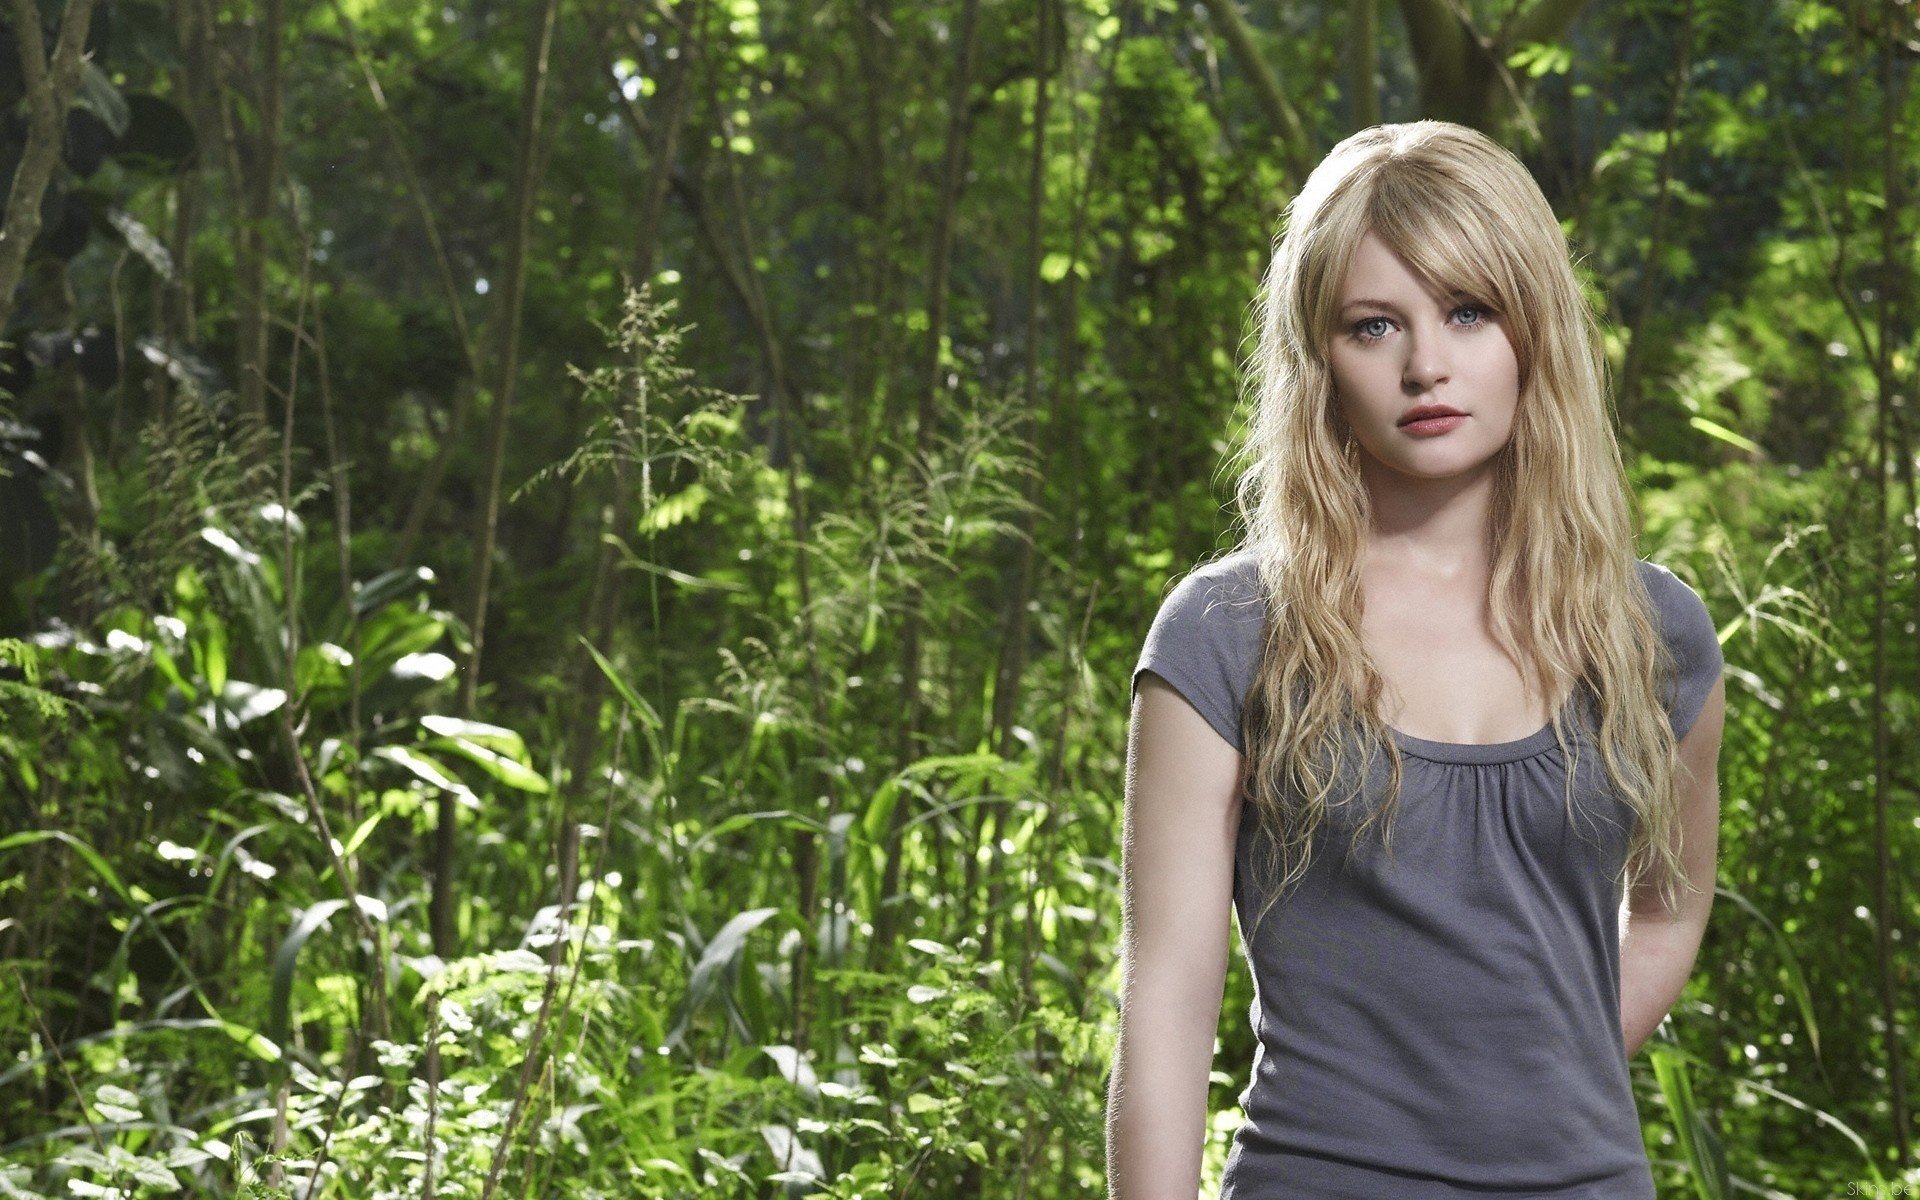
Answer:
(1499, 371)
(1337, 369)
(1353, 382)
(1509, 359)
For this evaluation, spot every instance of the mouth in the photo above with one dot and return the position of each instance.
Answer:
(1427, 412)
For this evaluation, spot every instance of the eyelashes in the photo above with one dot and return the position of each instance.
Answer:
(1359, 330)
(1360, 333)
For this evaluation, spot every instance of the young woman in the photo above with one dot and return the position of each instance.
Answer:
(1444, 744)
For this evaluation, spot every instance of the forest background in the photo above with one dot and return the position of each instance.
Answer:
(572, 566)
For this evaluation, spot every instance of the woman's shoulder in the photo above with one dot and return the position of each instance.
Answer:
(1688, 629)
(1685, 623)
(1205, 639)
(1231, 579)
(1675, 598)
(1657, 575)
(1219, 600)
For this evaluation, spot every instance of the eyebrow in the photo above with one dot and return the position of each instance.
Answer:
(1455, 298)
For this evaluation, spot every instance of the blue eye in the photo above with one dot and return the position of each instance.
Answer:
(1363, 329)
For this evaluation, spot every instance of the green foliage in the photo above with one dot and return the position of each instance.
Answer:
(792, 868)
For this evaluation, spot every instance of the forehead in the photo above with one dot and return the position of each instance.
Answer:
(1377, 274)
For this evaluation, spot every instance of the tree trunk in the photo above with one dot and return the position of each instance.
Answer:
(604, 595)
(50, 86)
(794, 435)
(250, 242)
(871, 346)
(675, 95)
(924, 438)
(952, 179)
(1011, 668)
(507, 364)
(1463, 72)
(429, 487)
(1627, 396)
(80, 507)
(1289, 134)
(1888, 906)
(1013, 639)
(1363, 61)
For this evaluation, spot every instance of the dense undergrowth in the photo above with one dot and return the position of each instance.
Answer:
(756, 947)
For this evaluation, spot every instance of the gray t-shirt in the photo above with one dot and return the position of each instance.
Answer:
(1448, 1024)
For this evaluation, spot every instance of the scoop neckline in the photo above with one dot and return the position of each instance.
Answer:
(1534, 743)
(1476, 752)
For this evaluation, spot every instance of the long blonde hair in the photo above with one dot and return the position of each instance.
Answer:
(1567, 600)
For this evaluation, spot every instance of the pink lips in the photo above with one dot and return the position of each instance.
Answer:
(1429, 420)
(1434, 426)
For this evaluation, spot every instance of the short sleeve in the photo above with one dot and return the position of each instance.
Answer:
(1695, 643)
(1205, 641)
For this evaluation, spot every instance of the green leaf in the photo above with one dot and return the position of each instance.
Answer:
(506, 770)
(320, 665)
(213, 655)
(673, 510)
(13, 1184)
(427, 769)
(247, 702)
(721, 953)
(392, 634)
(1717, 430)
(640, 707)
(87, 854)
(280, 998)
(250, 1040)
(1790, 963)
(494, 737)
(1054, 267)
(246, 1038)
(134, 898)
(381, 590)
(115, 1103)
(163, 659)
(359, 835)
(153, 1173)
(1542, 58)
(879, 812)
(1693, 1128)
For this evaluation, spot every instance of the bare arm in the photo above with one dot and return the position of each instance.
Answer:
(1182, 812)
(1658, 950)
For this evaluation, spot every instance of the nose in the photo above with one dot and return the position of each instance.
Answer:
(1426, 366)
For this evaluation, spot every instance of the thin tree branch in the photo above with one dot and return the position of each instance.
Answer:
(1283, 122)
(50, 89)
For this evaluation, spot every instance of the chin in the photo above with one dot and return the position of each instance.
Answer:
(1439, 465)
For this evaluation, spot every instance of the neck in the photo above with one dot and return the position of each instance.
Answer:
(1438, 527)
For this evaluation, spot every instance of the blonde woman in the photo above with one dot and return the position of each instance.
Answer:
(1434, 732)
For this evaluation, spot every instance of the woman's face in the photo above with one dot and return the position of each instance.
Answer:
(1398, 348)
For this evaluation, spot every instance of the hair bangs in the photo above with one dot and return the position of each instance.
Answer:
(1453, 245)
(1461, 241)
